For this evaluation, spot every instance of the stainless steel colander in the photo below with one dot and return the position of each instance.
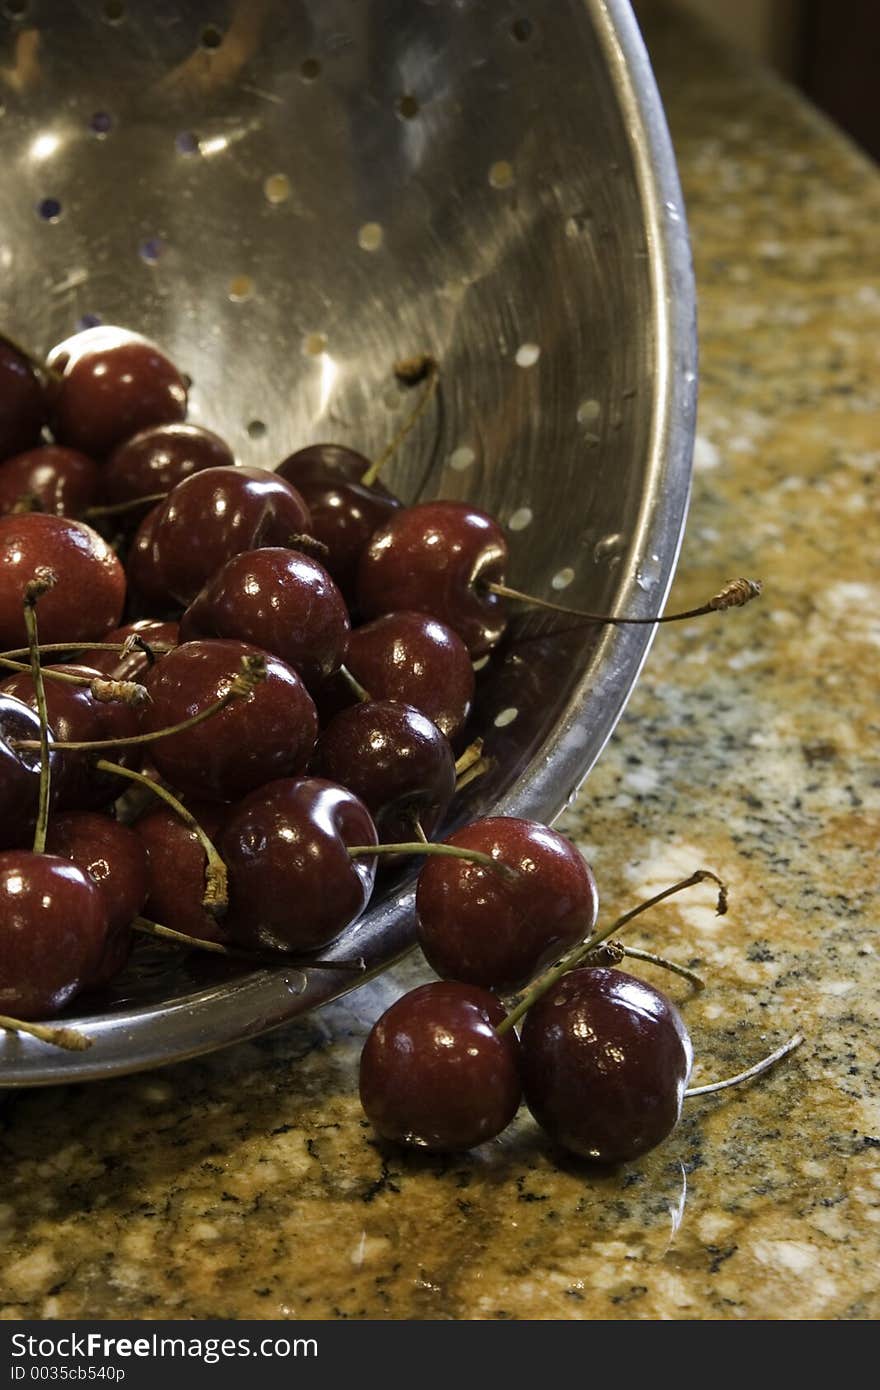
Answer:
(290, 195)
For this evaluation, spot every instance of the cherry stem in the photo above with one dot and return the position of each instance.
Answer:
(419, 831)
(478, 769)
(355, 686)
(411, 371)
(130, 505)
(580, 953)
(735, 594)
(431, 848)
(197, 943)
(129, 692)
(637, 954)
(253, 670)
(764, 1065)
(124, 648)
(309, 545)
(43, 580)
(215, 899)
(471, 755)
(68, 1038)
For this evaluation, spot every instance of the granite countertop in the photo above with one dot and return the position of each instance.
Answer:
(248, 1185)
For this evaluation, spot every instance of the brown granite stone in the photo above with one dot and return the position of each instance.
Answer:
(247, 1184)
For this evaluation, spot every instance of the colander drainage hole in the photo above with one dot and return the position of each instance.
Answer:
(187, 142)
(15, 9)
(407, 107)
(256, 429)
(522, 30)
(151, 250)
(114, 11)
(212, 37)
(527, 354)
(506, 717)
(101, 123)
(49, 209)
(87, 321)
(310, 69)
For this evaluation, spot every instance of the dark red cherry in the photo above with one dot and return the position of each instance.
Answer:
(132, 667)
(605, 1063)
(176, 869)
(204, 521)
(344, 512)
(19, 771)
(157, 459)
(89, 594)
(113, 384)
(416, 659)
(76, 716)
(497, 929)
(292, 884)
(53, 926)
(435, 1074)
(255, 739)
(438, 558)
(23, 409)
(51, 479)
(280, 600)
(395, 760)
(114, 856)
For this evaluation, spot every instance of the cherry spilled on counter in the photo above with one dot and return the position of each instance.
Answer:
(279, 666)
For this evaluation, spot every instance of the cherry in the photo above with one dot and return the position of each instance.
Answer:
(605, 1061)
(176, 869)
(53, 926)
(51, 479)
(75, 715)
(438, 558)
(418, 660)
(345, 512)
(23, 408)
(280, 600)
(434, 1072)
(395, 760)
(293, 885)
(269, 734)
(158, 458)
(499, 930)
(113, 384)
(114, 856)
(19, 771)
(204, 521)
(89, 594)
(131, 667)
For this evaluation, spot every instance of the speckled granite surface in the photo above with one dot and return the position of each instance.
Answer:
(247, 1185)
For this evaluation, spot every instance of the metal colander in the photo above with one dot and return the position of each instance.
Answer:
(291, 195)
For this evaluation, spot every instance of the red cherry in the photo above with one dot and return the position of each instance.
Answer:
(497, 929)
(157, 459)
(176, 869)
(75, 716)
(58, 480)
(438, 558)
(89, 594)
(53, 926)
(292, 884)
(204, 521)
(255, 739)
(23, 409)
(344, 512)
(132, 667)
(395, 760)
(435, 1074)
(113, 384)
(280, 600)
(605, 1063)
(413, 658)
(19, 771)
(113, 856)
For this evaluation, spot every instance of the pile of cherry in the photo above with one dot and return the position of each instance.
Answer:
(285, 661)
